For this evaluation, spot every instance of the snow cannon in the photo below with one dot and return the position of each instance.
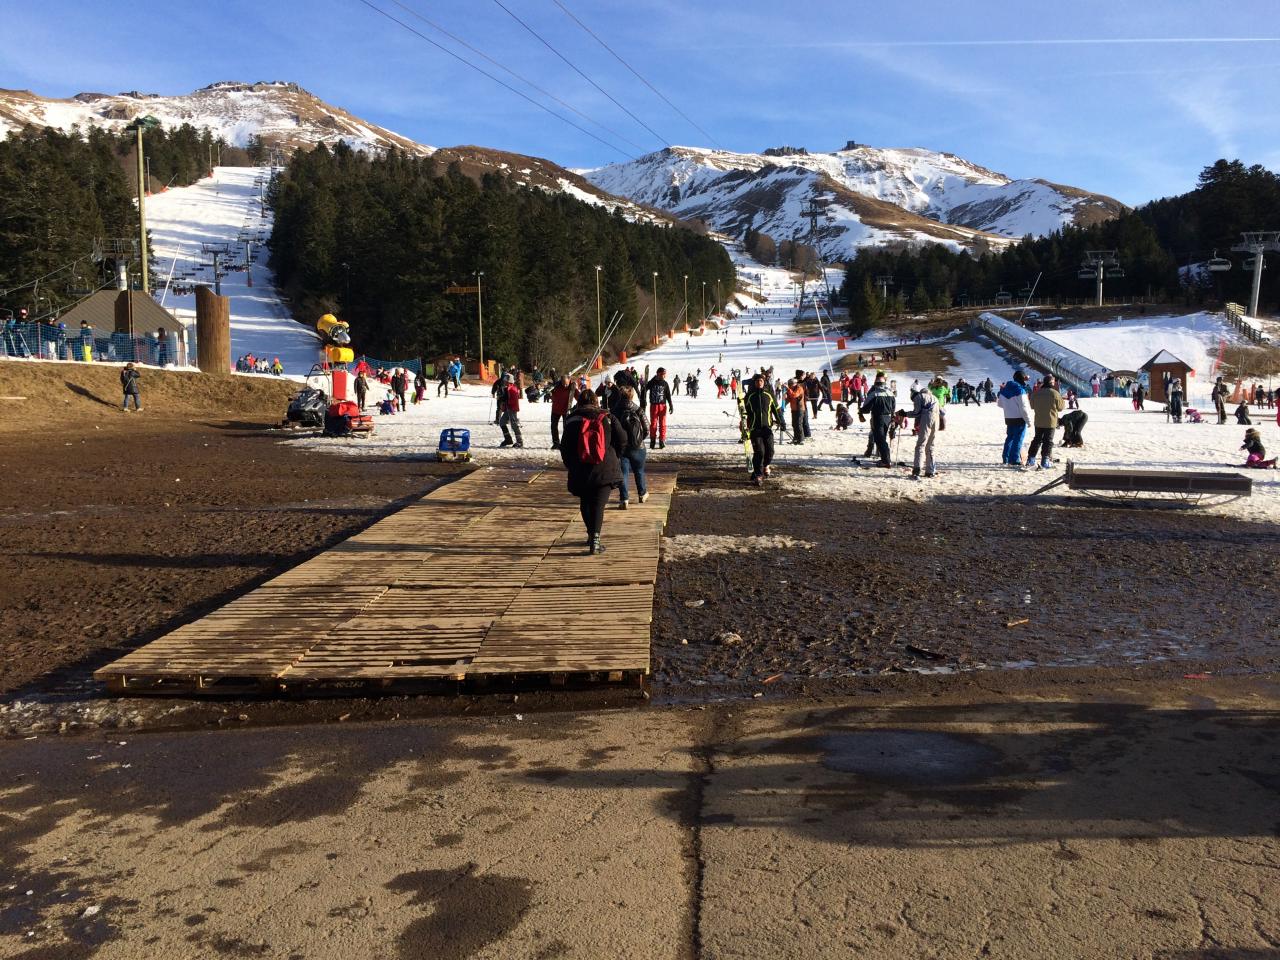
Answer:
(334, 331)
(336, 335)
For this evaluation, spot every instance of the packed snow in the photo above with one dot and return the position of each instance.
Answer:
(222, 209)
(1126, 343)
(968, 450)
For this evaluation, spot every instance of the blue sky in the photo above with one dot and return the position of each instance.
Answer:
(1121, 97)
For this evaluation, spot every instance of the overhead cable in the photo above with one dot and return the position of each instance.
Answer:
(568, 13)
(501, 66)
(580, 73)
(497, 80)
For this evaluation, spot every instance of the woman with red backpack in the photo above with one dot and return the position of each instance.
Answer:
(592, 443)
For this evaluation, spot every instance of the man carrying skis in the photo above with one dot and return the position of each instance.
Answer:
(761, 411)
(659, 393)
(879, 406)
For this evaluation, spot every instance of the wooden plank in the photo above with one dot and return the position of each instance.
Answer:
(510, 590)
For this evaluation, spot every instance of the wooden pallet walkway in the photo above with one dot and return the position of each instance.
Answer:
(485, 577)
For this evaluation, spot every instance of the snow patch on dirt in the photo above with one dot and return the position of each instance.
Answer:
(696, 546)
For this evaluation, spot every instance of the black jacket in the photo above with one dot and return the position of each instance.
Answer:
(587, 478)
(129, 381)
(879, 404)
(762, 411)
(659, 391)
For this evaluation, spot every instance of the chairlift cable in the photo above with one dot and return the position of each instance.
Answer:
(580, 73)
(568, 13)
(497, 80)
(501, 66)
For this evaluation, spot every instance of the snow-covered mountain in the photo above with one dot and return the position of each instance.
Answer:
(867, 195)
(282, 114)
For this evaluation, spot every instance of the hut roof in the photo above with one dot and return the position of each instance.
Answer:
(1166, 359)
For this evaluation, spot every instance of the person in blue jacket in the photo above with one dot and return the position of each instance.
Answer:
(1016, 405)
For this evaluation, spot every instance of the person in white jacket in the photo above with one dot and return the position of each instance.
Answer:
(1016, 406)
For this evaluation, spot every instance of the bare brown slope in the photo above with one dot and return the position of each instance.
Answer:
(58, 393)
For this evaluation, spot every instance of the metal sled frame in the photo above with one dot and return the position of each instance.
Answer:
(1188, 487)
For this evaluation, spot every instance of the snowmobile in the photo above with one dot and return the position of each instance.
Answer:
(307, 408)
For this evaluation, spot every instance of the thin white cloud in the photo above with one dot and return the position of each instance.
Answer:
(1214, 107)
(1017, 42)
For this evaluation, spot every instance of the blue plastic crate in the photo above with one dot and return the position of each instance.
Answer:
(455, 440)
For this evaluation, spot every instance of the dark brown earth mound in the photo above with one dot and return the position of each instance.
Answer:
(90, 392)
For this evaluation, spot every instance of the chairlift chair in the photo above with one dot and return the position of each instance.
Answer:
(1087, 274)
(1114, 273)
(1218, 264)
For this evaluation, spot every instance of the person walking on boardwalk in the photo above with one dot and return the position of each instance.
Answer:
(631, 460)
(762, 413)
(129, 386)
(362, 389)
(509, 420)
(592, 443)
(659, 392)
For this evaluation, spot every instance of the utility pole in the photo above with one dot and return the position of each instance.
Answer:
(655, 304)
(1096, 265)
(1257, 242)
(140, 124)
(599, 335)
(480, 317)
(248, 263)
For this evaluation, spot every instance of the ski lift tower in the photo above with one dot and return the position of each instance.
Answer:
(216, 251)
(1257, 242)
(1098, 264)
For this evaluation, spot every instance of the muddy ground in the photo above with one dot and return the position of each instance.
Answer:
(957, 584)
(125, 526)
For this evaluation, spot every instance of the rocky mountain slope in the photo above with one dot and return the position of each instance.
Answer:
(867, 195)
(283, 114)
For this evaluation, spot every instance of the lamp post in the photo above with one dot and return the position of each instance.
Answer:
(719, 302)
(599, 336)
(704, 300)
(480, 317)
(655, 304)
(686, 298)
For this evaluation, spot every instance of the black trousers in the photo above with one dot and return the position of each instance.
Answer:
(1042, 442)
(761, 451)
(557, 419)
(592, 506)
(797, 425)
(880, 437)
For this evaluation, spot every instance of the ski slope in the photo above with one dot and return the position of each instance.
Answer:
(968, 451)
(1128, 343)
(222, 208)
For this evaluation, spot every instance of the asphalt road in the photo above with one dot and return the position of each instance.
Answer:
(1128, 821)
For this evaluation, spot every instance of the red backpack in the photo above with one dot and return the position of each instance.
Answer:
(591, 440)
